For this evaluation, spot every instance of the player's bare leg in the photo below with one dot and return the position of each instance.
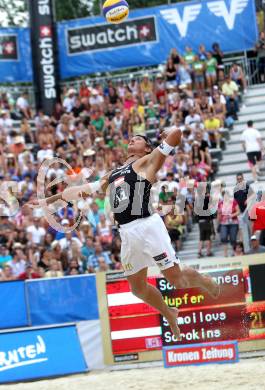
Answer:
(152, 296)
(189, 277)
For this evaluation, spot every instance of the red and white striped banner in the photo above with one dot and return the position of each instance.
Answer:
(134, 325)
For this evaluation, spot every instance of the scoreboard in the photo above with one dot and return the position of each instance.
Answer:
(237, 314)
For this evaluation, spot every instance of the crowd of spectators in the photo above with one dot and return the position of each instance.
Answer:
(90, 131)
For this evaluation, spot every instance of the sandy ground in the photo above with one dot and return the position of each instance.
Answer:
(249, 374)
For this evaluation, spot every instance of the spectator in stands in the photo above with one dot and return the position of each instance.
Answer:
(45, 152)
(203, 147)
(170, 73)
(202, 54)
(210, 70)
(93, 260)
(218, 55)
(146, 88)
(96, 100)
(228, 212)
(238, 249)
(164, 195)
(183, 75)
(23, 106)
(18, 262)
(197, 153)
(193, 118)
(159, 86)
(198, 69)
(94, 216)
(102, 265)
(4, 255)
(117, 120)
(230, 91)
(175, 56)
(260, 48)
(138, 125)
(189, 56)
(241, 192)
(256, 248)
(253, 146)
(29, 273)
(237, 75)
(206, 228)
(175, 222)
(35, 232)
(196, 174)
(84, 91)
(185, 105)
(69, 100)
(134, 87)
(74, 263)
(6, 275)
(212, 125)
(54, 270)
(171, 184)
(69, 243)
(219, 107)
(104, 232)
(6, 123)
(203, 104)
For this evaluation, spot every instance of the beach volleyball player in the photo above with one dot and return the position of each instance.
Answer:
(144, 237)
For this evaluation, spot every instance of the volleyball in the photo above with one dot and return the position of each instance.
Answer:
(115, 11)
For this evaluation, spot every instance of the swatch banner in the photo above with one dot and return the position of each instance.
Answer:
(15, 55)
(43, 42)
(90, 45)
(40, 353)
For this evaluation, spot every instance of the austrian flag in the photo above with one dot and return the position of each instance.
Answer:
(135, 326)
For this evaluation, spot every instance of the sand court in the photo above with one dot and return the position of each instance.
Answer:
(248, 374)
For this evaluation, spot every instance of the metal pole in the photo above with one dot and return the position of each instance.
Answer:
(101, 7)
(247, 70)
(54, 11)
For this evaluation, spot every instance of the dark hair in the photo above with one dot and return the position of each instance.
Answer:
(147, 140)
(250, 123)
(215, 45)
(239, 243)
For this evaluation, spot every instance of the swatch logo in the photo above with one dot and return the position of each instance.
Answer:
(8, 47)
(107, 36)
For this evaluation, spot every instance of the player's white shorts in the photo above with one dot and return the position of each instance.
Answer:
(145, 242)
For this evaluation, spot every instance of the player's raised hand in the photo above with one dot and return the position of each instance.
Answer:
(71, 194)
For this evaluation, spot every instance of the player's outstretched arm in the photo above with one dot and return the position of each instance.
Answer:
(73, 193)
(84, 190)
(157, 158)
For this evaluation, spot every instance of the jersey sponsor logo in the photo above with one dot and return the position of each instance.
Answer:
(127, 267)
(190, 14)
(219, 8)
(162, 256)
(121, 172)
